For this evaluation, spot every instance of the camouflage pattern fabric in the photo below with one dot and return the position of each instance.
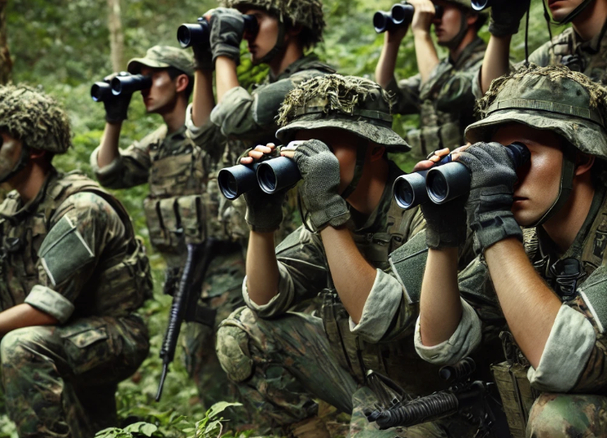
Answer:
(99, 340)
(163, 57)
(185, 206)
(445, 102)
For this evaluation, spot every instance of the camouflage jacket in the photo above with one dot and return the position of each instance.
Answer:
(184, 202)
(382, 340)
(71, 252)
(588, 57)
(445, 102)
(575, 355)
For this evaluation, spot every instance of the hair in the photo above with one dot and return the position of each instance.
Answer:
(174, 72)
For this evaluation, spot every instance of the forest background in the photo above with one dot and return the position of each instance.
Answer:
(64, 46)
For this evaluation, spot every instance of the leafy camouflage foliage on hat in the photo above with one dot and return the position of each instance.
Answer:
(34, 118)
(307, 13)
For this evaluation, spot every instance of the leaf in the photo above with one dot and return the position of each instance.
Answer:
(148, 429)
(219, 407)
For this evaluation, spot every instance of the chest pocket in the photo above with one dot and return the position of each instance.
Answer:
(175, 175)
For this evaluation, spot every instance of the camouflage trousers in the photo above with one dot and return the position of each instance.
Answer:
(222, 293)
(568, 415)
(281, 364)
(61, 381)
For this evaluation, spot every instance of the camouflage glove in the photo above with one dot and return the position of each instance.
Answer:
(227, 28)
(491, 194)
(116, 108)
(264, 212)
(203, 57)
(506, 17)
(445, 223)
(319, 170)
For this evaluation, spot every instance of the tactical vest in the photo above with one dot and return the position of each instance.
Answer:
(184, 200)
(22, 233)
(444, 128)
(567, 52)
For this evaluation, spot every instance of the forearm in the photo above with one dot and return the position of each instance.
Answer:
(225, 76)
(203, 101)
(352, 275)
(496, 61)
(530, 307)
(261, 268)
(109, 144)
(425, 52)
(384, 72)
(440, 306)
(23, 315)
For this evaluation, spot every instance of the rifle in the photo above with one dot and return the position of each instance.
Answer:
(472, 399)
(184, 306)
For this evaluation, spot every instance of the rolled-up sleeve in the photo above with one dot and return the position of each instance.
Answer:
(280, 303)
(48, 301)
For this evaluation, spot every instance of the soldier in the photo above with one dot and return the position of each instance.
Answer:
(442, 90)
(581, 47)
(341, 254)
(72, 276)
(183, 205)
(548, 280)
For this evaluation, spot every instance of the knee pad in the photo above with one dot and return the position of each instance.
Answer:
(232, 348)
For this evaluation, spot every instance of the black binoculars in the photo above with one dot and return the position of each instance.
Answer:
(198, 33)
(479, 5)
(400, 14)
(271, 176)
(128, 83)
(445, 181)
(101, 91)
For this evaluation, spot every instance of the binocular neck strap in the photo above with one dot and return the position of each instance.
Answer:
(23, 159)
(566, 185)
(278, 47)
(361, 153)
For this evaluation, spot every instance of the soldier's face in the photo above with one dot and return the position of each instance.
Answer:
(449, 25)
(265, 39)
(162, 95)
(561, 8)
(538, 181)
(10, 152)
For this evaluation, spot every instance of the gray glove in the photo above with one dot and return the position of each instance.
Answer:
(117, 107)
(445, 223)
(227, 28)
(491, 194)
(506, 17)
(319, 170)
(264, 212)
(203, 57)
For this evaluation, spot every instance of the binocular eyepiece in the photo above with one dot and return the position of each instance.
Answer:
(400, 14)
(198, 33)
(445, 181)
(101, 91)
(128, 84)
(271, 176)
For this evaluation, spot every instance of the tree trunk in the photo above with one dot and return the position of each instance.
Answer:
(6, 65)
(116, 35)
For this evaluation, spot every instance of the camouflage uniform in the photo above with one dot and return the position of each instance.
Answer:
(574, 359)
(445, 102)
(184, 206)
(71, 253)
(271, 351)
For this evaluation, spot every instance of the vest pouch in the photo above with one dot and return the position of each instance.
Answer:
(154, 224)
(171, 175)
(193, 219)
(450, 135)
(87, 344)
(414, 138)
(516, 394)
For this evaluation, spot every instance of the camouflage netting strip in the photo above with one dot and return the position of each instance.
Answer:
(308, 13)
(596, 92)
(339, 93)
(34, 118)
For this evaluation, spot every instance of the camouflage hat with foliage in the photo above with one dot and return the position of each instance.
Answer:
(308, 13)
(550, 98)
(34, 118)
(163, 57)
(351, 103)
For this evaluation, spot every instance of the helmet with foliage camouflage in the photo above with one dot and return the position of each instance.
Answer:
(351, 103)
(34, 118)
(307, 13)
(550, 98)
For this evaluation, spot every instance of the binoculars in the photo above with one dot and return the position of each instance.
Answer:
(271, 176)
(400, 14)
(198, 33)
(123, 83)
(101, 91)
(445, 181)
(479, 5)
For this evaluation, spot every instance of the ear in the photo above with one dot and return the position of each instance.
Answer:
(583, 163)
(181, 83)
(376, 153)
(294, 30)
(472, 18)
(37, 154)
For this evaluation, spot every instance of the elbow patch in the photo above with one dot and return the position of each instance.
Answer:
(408, 263)
(64, 251)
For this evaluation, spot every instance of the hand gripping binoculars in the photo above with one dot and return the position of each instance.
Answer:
(198, 33)
(445, 181)
(123, 83)
(400, 14)
(271, 175)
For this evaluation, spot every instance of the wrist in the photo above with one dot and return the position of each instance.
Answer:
(422, 34)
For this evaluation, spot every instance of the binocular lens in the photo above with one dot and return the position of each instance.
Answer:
(410, 190)
(447, 182)
(266, 179)
(438, 189)
(228, 185)
(277, 174)
(479, 5)
(184, 35)
(116, 86)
